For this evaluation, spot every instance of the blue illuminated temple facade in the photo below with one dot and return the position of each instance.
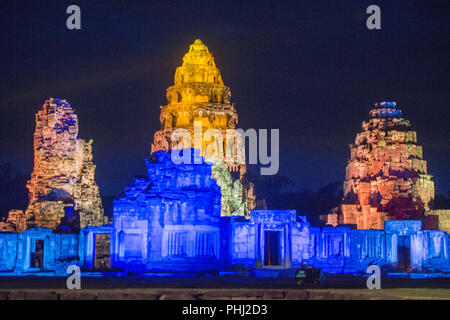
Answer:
(170, 221)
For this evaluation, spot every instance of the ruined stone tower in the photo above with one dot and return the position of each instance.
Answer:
(386, 176)
(199, 96)
(62, 188)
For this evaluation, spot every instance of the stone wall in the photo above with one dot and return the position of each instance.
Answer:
(346, 250)
(248, 245)
(18, 252)
(243, 242)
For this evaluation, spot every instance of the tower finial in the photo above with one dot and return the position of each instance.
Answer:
(198, 66)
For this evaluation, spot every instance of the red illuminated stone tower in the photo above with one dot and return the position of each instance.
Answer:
(386, 176)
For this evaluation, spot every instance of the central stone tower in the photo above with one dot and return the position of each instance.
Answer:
(199, 96)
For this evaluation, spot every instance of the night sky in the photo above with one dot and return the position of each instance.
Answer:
(310, 68)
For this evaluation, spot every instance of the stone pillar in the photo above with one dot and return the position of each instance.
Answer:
(287, 263)
(259, 231)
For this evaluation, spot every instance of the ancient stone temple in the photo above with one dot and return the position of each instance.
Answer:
(200, 98)
(62, 189)
(190, 218)
(386, 176)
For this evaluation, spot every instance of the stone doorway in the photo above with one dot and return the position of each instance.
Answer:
(403, 254)
(37, 255)
(272, 248)
(102, 254)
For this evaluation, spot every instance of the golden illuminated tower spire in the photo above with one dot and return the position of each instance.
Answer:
(198, 95)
